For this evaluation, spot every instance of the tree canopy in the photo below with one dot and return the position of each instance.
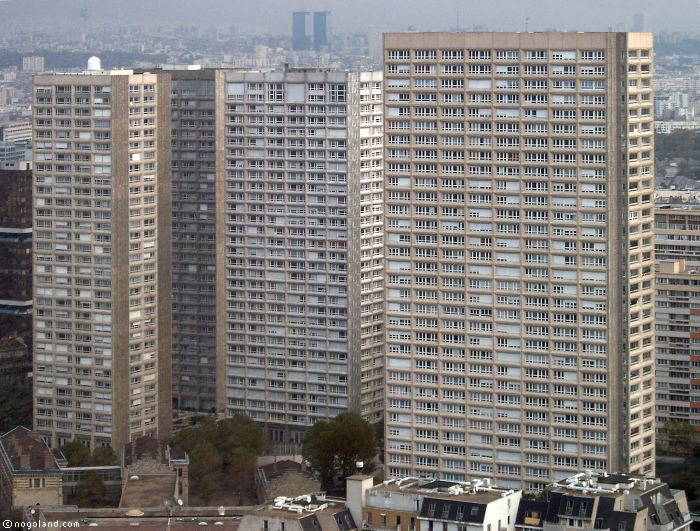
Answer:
(222, 453)
(91, 492)
(333, 448)
(77, 454)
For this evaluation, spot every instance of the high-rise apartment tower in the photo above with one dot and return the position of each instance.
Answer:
(102, 256)
(300, 315)
(519, 255)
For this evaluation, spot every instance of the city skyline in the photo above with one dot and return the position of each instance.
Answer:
(388, 15)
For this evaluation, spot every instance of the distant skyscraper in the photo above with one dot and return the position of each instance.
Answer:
(102, 258)
(322, 22)
(519, 244)
(639, 22)
(300, 36)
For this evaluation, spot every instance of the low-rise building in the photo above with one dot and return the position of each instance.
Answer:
(310, 512)
(616, 502)
(178, 518)
(29, 473)
(413, 504)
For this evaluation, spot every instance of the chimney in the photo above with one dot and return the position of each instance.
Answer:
(356, 487)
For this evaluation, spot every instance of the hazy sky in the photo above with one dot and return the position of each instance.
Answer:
(273, 16)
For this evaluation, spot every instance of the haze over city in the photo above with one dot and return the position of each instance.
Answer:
(273, 16)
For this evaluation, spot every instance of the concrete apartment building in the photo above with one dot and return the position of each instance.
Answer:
(302, 225)
(102, 320)
(677, 246)
(519, 255)
(677, 339)
(18, 131)
(196, 159)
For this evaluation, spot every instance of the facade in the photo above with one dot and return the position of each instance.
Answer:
(16, 251)
(29, 473)
(300, 146)
(301, 40)
(616, 502)
(519, 255)
(33, 63)
(9, 151)
(412, 504)
(196, 159)
(102, 256)
(676, 228)
(322, 20)
(16, 131)
(677, 339)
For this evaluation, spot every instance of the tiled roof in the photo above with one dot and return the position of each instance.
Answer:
(27, 451)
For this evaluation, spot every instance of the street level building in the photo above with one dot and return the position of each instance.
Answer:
(519, 255)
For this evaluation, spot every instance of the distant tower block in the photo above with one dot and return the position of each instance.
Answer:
(322, 22)
(300, 37)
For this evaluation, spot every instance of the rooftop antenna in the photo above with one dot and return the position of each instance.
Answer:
(458, 25)
(527, 24)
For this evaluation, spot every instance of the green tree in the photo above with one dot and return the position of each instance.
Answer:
(353, 440)
(679, 437)
(103, 456)
(205, 469)
(91, 492)
(318, 451)
(77, 454)
(241, 471)
(221, 452)
(334, 447)
(239, 431)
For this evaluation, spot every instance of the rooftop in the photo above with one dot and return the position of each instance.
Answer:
(148, 490)
(26, 451)
(479, 491)
(185, 518)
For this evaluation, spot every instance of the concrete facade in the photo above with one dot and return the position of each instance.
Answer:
(519, 255)
(102, 256)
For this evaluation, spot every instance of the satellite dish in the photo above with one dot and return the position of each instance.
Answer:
(222, 510)
(134, 477)
(179, 502)
(135, 512)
